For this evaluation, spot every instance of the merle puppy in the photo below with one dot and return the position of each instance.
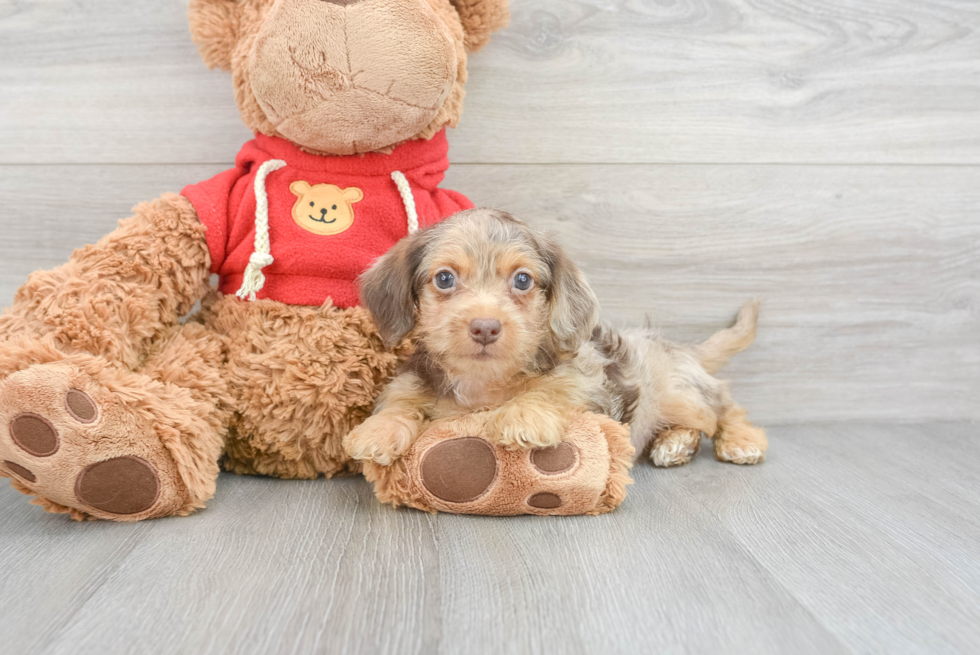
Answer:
(504, 321)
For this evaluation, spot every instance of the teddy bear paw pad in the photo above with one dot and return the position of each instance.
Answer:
(35, 435)
(555, 460)
(121, 485)
(80, 406)
(20, 471)
(545, 500)
(459, 470)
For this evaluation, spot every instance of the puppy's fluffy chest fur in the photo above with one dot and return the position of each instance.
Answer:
(463, 393)
(470, 393)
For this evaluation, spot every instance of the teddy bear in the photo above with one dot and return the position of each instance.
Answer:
(115, 405)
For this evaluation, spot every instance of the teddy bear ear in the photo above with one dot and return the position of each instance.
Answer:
(480, 19)
(300, 188)
(214, 27)
(353, 194)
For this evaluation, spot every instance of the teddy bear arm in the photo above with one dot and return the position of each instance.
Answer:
(116, 297)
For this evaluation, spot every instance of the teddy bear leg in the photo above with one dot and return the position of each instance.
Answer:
(96, 441)
(454, 467)
(301, 378)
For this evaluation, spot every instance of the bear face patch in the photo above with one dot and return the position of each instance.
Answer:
(324, 209)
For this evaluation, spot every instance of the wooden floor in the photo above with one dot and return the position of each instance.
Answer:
(821, 154)
(851, 538)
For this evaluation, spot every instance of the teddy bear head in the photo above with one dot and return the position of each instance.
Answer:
(343, 77)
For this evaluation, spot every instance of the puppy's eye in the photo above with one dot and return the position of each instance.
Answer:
(523, 281)
(312, 204)
(334, 207)
(444, 280)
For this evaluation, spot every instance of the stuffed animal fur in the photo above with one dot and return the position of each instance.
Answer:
(110, 406)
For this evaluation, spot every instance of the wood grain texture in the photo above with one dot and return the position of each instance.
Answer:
(848, 539)
(870, 275)
(570, 81)
(855, 488)
(311, 566)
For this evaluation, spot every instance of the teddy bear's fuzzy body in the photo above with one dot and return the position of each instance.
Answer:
(271, 385)
(299, 378)
(115, 408)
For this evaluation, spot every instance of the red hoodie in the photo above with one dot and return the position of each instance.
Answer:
(329, 217)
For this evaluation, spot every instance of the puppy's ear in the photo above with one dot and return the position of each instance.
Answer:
(214, 28)
(388, 289)
(574, 307)
(480, 19)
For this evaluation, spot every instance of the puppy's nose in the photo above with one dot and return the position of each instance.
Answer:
(485, 330)
(323, 211)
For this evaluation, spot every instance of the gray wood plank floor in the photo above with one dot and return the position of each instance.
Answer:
(851, 538)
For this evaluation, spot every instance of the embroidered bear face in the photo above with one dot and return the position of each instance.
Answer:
(324, 208)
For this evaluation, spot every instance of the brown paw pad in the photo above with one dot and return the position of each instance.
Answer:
(459, 470)
(81, 407)
(35, 435)
(555, 460)
(123, 485)
(20, 471)
(544, 500)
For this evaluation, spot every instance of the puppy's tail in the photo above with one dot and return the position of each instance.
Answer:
(725, 344)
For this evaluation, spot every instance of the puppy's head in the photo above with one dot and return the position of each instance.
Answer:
(485, 294)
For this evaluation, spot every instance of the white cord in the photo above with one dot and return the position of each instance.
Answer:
(254, 280)
(405, 189)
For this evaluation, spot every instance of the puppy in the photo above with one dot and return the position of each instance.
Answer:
(504, 321)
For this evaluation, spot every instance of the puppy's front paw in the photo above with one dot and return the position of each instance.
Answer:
(381, 439)
(528, 427)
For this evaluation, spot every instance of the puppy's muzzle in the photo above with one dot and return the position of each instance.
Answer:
(485, 330)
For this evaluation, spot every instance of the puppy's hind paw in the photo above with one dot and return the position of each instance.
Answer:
(675, 447)
(741, 444)
(740, 454)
